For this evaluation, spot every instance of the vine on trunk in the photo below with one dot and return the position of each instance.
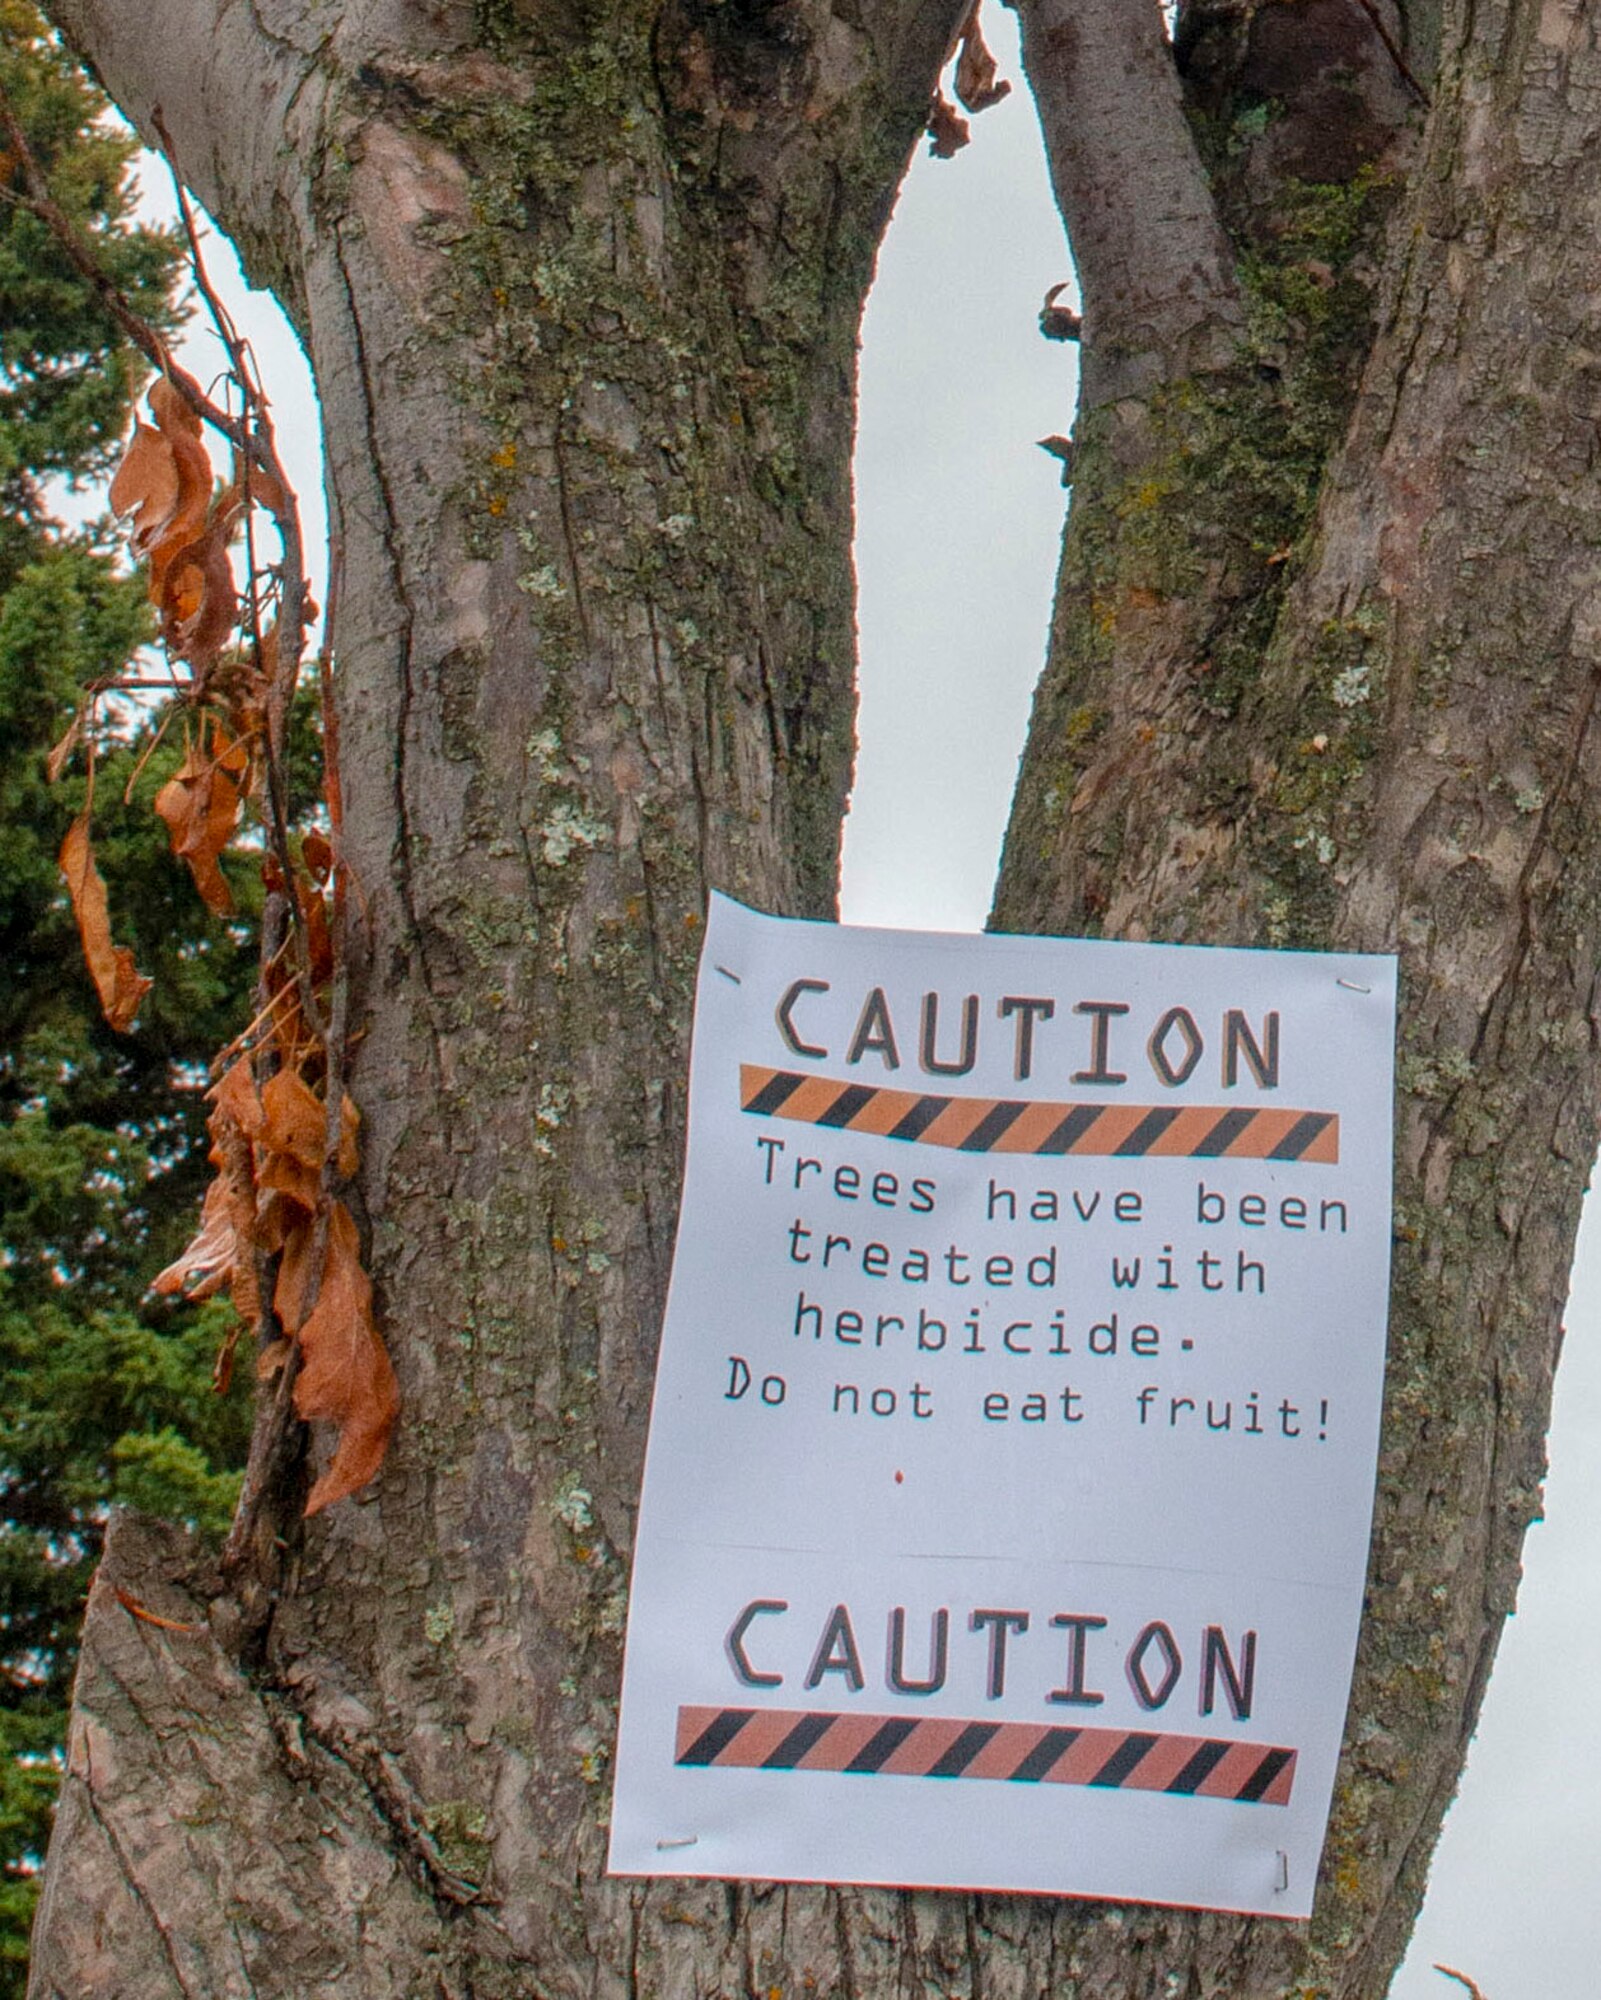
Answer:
(274, 1230)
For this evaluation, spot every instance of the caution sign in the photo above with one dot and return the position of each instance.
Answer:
(1011, 1466)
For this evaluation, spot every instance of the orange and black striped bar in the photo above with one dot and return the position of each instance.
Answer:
(1002, 1125)
(1019, 1753)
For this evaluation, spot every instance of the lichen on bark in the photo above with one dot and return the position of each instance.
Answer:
(581, 288)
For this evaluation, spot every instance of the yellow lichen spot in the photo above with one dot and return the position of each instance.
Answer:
(559, 1245)
(692, 920)
(1348, 1878)
(497, 504)
(506, 457)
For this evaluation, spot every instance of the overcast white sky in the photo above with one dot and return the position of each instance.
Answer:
(959, 521)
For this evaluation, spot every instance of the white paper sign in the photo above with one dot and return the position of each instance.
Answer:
(1011, 1467)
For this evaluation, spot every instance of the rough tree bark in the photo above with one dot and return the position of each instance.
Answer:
(580, 284)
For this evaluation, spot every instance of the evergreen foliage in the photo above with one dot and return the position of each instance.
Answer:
(105, 1395)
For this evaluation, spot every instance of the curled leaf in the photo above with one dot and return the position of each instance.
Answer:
(296, 1121)
(222, 1367)
(206, 1262)
(200, 805)
(223, 1249)
(978, 85)
(1060, 322)
(295, 1252)
(117, 979)
(164, 480)
(946, 127)
(193, 590)
(236, 1097)
(132, 1605)
(146, 486)
(56, 762)
(345, 1376)
(318, 854)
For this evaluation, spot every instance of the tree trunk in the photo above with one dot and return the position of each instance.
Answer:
(581, 291)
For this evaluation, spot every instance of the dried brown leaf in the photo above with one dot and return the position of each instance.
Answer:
(946, 127)
(195, 595)
(289, 1152)
(222, 1367)
(237, 1098)
(319, 938)
(172, 410)
(56, 762)
(295, 1253)
(200, 805)
(131, 1604)
(206, 1262)
(117, 979)
(345, 1376)
(164, 481)
(296, 1120)
(978, 85)
(267, 491)
(146, 485)
(317, 852)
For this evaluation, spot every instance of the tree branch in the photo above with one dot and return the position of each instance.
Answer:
(223, 77)
(1154, 266)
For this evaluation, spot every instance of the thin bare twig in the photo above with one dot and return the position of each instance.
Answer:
(1392, 48)
(40, 202)
(258, 448)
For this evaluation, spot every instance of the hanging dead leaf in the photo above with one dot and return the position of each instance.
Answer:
(223, 1250)
(222, 1367)
(267, 491)
(146, 486)
(317, 852)
(200, 805)
(236, 1097)
(978, 84)
(295, 1249)
(946, 127)
(195, 595)
(319, 938)
(117, 979)
(206, 1262)
(164, 480)
(296, 1122)
(345, 1376)
(56, 762)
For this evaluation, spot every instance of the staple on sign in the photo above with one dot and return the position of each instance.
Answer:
(723, 969)
(1350, 985)
(688, 1839)
(1284, 1871)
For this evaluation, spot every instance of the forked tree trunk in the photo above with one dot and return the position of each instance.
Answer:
(581, 288)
